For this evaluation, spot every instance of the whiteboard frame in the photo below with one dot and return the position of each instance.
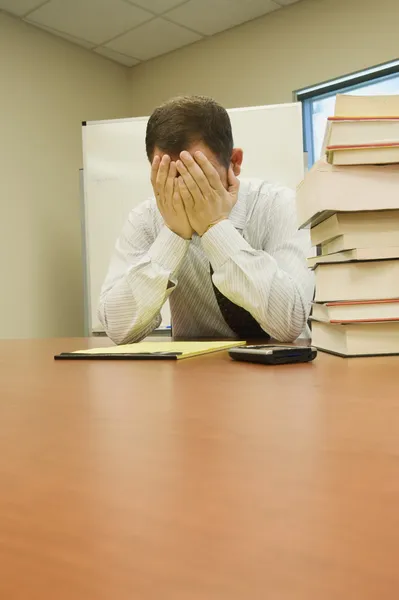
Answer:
(87, 324)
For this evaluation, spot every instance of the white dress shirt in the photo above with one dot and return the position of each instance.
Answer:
(258, 257)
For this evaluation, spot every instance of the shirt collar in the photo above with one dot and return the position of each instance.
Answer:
(238, 215)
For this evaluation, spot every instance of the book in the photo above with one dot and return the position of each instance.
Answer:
(362, 312)
(350, 105)
(368, 280)
(360, 222)
(364, 131)
(361, 240)
(367, 154)
(151, 350)
(328, 189)
(355, 254)
(356, 339)
(352, 131)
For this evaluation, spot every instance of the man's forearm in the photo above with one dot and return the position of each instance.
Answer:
(130, 303)
(278, 298)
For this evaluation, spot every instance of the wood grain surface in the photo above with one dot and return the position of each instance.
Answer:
(199, 480)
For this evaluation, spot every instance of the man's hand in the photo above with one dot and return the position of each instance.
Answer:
(205, 199)
(166, 190)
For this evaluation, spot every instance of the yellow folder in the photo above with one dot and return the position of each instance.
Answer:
(151, 350)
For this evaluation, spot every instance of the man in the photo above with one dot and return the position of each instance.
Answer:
(227, 253)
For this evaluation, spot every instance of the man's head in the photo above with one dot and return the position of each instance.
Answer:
(193, 123)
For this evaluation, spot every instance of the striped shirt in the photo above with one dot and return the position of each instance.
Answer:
(258, 257)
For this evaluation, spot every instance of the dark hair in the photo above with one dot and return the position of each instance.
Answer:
(181, 121)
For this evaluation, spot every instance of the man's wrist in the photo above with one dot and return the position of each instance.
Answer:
(223, 241)
(184, 236)
(168, 249)
(216, 222)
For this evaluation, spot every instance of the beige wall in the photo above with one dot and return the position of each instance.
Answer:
(48, 86)
(263, 61)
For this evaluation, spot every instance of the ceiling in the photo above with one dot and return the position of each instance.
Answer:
(132, 31)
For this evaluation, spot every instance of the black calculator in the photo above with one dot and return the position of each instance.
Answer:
(273, 355)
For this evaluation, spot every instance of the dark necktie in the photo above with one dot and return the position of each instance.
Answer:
(237, 318)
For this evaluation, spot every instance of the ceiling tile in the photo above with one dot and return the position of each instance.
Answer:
(19, 7)
(116, 56)
(95, 21)
(65, 36)
(152, 39)
(211, 16)
(156, 6)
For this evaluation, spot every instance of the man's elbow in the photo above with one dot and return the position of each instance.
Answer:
(289, 332)
(117, 332)
(126, 332)
(290, 326)
(122, 336)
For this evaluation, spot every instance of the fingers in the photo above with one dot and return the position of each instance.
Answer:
(188, 164)
(162, 175)
(211, 174)
(154, 169)
(189, 181)
(185, 194)
(169, 185)
(177, 199)
(172, 170)
(233, 181)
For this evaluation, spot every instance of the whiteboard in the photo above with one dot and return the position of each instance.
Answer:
(116, 176)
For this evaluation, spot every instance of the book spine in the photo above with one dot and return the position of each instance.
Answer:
(363, 146)
(348, 321)
(363, 118)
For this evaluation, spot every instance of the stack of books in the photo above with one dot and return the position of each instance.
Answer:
(364, 131)
(350, 199)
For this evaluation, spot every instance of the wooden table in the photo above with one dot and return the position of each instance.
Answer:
(198, 480)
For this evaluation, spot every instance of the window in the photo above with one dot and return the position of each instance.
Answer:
(319, 101)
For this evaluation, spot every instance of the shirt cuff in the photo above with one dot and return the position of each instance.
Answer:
(221, 242)
(168, 250)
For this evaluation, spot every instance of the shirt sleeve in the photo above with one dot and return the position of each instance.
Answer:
(273, 283)
(141, 276)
